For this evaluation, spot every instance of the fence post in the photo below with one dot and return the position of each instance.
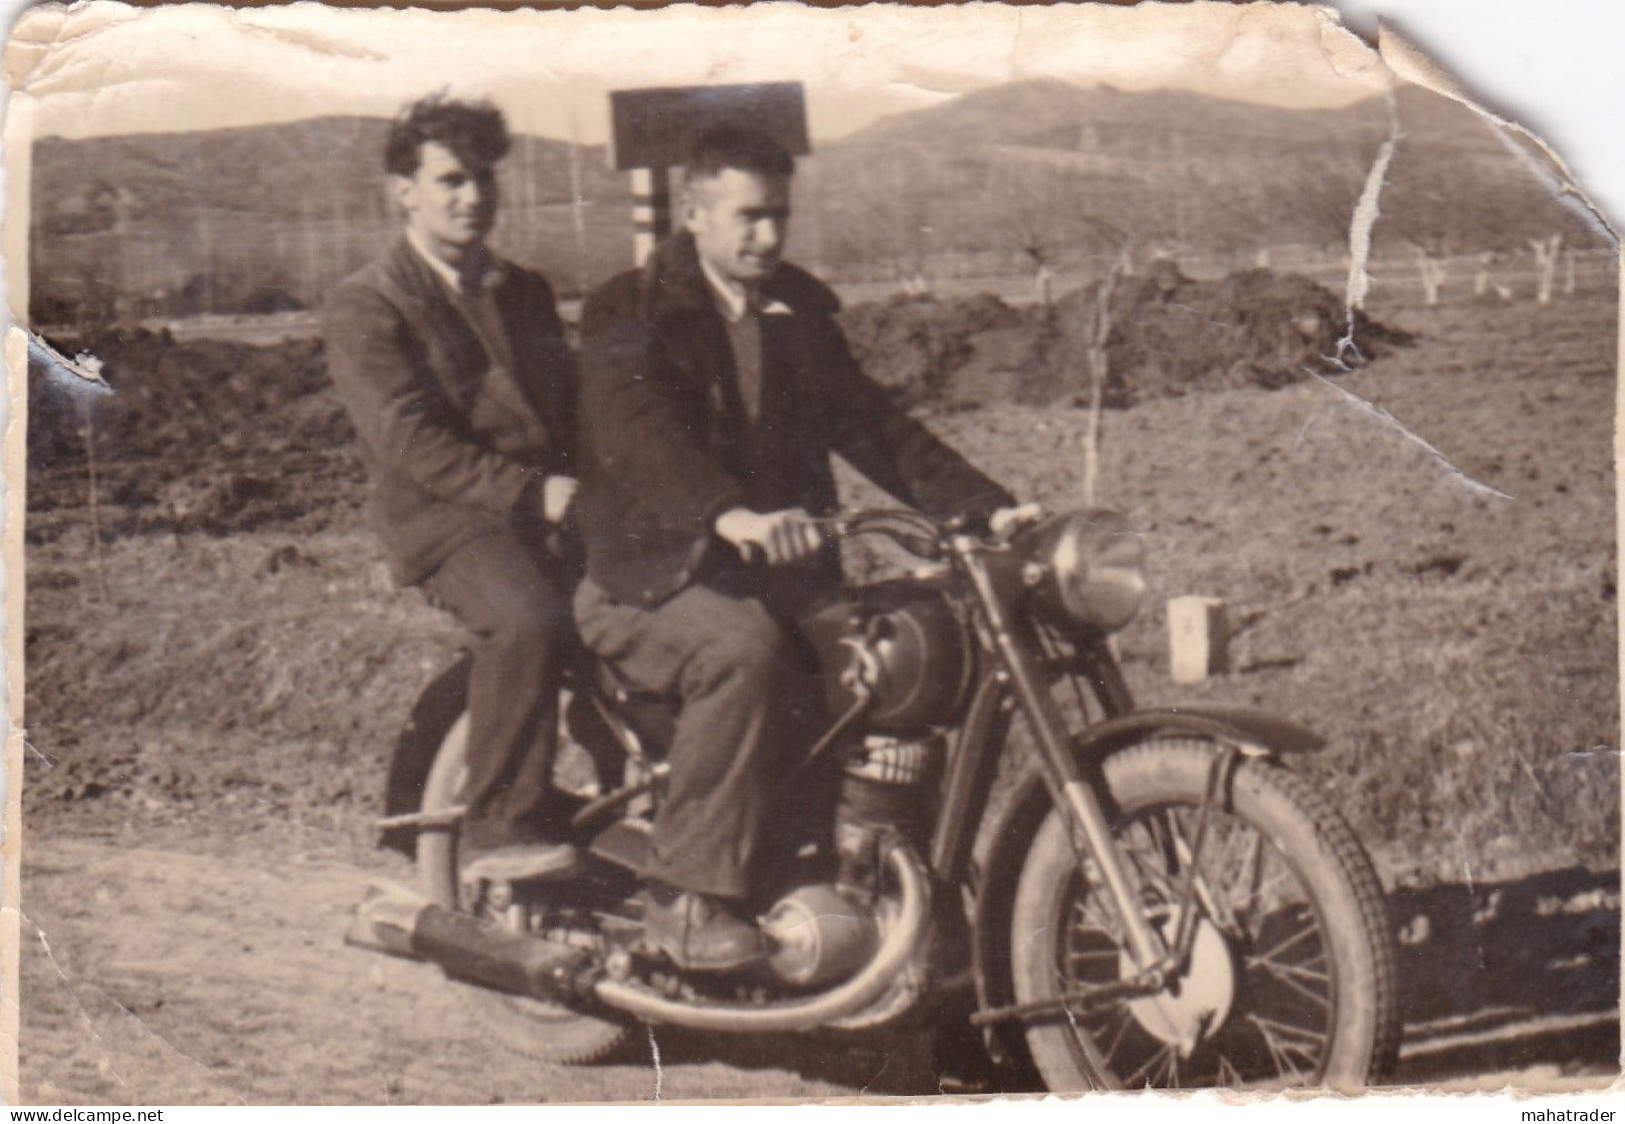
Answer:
(651, 210)
(1198, 638)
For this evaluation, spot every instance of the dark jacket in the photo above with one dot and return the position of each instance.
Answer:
(664, 450)
(455, 446)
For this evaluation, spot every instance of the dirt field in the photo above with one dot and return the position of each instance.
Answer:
(209, 714)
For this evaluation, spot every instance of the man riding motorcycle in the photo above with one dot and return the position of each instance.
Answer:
(715, 385)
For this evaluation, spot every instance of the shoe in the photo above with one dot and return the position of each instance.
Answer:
(521, 862)
(698, 934)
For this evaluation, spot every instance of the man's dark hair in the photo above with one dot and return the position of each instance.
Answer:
(474, 130)
(739, 147)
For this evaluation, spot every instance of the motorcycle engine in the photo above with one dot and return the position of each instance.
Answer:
(900, 644)
(820, 937)
(824, 934)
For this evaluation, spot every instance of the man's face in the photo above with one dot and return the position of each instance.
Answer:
(448, 202)
(739, 220)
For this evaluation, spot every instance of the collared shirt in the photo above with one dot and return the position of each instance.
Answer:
(734, 300)
(477, 300)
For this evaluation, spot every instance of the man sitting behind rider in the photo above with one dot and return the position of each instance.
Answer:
(715, 385)
(453, 367)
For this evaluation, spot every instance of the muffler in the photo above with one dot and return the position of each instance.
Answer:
(899, 946)
(468, 948)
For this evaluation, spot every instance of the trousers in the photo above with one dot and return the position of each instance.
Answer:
(736, 666)
(513, 594)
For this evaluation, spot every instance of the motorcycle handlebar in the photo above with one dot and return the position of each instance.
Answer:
(918, 533)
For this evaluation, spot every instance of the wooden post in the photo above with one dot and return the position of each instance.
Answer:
(651, 210)
(1198, 639)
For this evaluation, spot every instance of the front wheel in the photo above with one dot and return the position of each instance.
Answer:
(1291, 979)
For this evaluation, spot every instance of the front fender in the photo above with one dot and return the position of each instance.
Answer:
(998, 875)
(1245, 726)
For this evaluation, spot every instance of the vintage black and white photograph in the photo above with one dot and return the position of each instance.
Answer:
(803, 554)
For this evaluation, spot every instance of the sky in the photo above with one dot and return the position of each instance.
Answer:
(103, 69)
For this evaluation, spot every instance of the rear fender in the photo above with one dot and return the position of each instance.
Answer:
(433, 715)
(1251, 730)
(605, 732)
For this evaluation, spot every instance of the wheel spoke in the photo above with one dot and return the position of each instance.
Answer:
(1277, 1055)
(1284, 1039)
(1308, 968)
(1323, 1001)
(1298, 971)
(1147, 1067)
(1123, 1025)
(1281, 946)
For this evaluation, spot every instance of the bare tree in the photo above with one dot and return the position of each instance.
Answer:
(1043, 215)
(1319, 203)
(1430, 267)
(1100, 331)
(1547, 251)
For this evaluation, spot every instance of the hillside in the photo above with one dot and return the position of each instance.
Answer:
(1154, 124)
(988, 183)
(321, 167)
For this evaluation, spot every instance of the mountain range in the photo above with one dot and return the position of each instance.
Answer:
(1006, 175)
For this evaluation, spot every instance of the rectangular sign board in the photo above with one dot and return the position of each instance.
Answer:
(652, 128)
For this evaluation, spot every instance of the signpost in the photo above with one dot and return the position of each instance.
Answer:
(651, 129)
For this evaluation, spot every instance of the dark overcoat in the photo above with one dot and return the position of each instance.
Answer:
(663, 446)
(456, 443)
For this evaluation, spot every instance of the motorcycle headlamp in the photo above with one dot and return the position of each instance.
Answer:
(1088, 566)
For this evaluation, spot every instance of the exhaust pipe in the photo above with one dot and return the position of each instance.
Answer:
(467, 947)
(859, 992)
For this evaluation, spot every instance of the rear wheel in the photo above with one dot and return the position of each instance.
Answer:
(1291, 979)
(526, 1027)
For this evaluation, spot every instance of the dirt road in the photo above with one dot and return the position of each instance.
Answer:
(218, 975)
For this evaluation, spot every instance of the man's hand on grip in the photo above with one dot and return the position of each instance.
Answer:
(1008, 520)
(781, 537)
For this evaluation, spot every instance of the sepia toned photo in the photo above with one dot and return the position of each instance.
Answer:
(801, 555)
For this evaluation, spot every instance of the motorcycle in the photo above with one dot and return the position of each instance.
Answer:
(1094, 896)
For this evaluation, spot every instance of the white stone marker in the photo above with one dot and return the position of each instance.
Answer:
(1197, 638)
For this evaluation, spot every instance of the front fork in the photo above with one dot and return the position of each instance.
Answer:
(1075, 797)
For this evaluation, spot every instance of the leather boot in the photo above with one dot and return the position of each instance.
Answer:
(698, 934)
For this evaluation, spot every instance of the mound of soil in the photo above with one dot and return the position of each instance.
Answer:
(914, 345)
(1170, 335)
(198, 435)
(215, 436)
